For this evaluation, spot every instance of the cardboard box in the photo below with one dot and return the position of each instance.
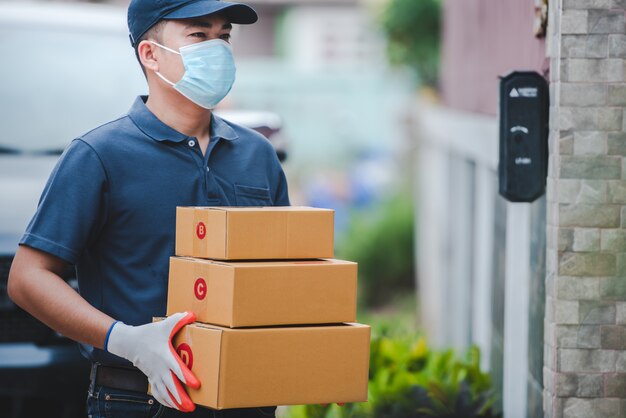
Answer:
(253, 367)
(254, 233)
(244, 294)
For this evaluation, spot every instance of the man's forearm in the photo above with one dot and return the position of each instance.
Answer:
(36, 287)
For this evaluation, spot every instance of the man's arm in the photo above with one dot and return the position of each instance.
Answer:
(36, 286)
(58, 233)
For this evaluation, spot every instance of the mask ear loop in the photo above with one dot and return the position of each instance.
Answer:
(162, 77)
(164, 47)
(158, 73)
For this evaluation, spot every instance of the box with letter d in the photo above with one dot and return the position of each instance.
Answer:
(253, 367)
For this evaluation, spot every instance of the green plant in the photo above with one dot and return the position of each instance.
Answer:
(413, 32)
(410, 380)
(382, 242)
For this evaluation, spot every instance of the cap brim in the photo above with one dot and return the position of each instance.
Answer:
(238, 13)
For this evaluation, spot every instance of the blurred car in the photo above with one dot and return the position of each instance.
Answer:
(268, 124)
(66, 68)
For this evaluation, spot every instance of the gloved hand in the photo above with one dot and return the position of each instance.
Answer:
(149, 348)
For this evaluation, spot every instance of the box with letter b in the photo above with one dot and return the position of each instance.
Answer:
(233, 233)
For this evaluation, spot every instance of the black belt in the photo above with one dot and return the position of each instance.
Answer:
(116, 377)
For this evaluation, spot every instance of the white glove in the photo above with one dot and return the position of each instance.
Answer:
(149, 348)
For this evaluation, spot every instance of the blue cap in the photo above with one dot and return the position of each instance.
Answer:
(143, 14)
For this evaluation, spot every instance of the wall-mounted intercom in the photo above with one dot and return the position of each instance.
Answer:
(524, 113)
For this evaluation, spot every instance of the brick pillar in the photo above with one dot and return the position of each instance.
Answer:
(585, 323)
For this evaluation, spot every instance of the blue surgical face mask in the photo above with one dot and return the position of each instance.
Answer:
(209, 72)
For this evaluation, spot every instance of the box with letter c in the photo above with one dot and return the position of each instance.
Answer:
(246, 294)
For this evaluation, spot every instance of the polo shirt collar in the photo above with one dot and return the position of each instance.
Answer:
(221, 129)
(152, 126)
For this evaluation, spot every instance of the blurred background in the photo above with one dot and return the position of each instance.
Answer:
(319, 78)
(369, 122)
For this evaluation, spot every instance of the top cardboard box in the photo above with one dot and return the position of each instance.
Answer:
(254, 233)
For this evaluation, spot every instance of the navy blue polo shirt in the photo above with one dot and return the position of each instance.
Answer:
(109, 206)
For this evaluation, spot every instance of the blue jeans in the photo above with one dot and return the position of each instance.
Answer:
(104, 402)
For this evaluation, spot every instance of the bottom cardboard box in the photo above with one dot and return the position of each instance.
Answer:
(253, 367)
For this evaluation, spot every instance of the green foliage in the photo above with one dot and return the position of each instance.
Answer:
(395, 320)
(413, 32)
(382, 242)
(409, 380)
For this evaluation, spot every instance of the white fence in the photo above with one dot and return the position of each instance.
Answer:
(475, 254)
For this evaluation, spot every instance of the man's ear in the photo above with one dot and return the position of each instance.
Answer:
(146, 53)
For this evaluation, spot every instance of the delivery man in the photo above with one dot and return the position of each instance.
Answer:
(109, 209)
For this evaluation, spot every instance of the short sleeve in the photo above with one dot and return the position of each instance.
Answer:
(73, 206)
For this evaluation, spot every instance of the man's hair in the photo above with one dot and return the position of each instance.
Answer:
(153, 33)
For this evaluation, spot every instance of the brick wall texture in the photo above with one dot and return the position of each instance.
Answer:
(585, 319)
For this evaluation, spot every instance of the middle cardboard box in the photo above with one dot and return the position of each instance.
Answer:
(269, 293)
